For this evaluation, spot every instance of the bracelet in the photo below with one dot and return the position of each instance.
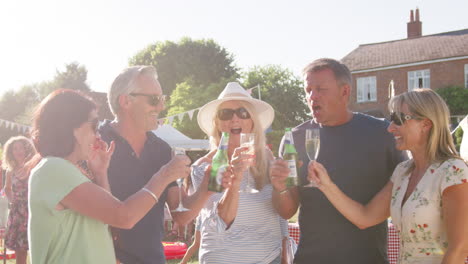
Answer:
(283, 191)
(151, 193)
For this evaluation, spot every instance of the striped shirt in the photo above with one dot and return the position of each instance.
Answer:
(256, 234)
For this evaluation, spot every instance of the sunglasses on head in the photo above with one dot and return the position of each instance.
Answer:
(399, 119)
(227, 113)
(153, 99)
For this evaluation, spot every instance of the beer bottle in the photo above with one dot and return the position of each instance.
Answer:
(219, 164)
(290, 156)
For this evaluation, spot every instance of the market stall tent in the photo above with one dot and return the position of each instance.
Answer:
(175, 138)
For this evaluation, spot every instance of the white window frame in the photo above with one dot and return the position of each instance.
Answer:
(366, 89)
(466, 75)
(419, 79)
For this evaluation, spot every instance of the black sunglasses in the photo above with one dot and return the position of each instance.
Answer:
(153, 99)
(399, 119)
(227, 113)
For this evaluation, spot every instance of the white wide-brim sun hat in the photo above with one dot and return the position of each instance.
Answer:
(234, 92)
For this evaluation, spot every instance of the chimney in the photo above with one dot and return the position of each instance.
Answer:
(414, 26)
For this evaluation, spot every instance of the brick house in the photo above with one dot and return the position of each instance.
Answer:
(432, 61)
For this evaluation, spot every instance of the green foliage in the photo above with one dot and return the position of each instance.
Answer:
(189, 95)
(203, 61)
(274, 138)
(456, 98)
(74, 77)
(18, 106)
(284, 91)
(458, 136)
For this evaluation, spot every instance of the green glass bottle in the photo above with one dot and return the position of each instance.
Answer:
(290, 156)
(219, 164)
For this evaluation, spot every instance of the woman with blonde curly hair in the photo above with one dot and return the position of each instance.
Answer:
(17, 152)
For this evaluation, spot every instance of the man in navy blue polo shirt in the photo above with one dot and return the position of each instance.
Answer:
(360, 156)
(136, 99)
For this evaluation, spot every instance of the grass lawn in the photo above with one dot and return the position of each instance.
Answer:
(177, 261)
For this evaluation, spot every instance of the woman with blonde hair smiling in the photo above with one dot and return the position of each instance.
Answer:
(427, 196)
(238, 226)
(18, 150)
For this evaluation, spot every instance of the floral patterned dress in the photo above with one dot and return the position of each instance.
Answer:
(17, 226)
(423, 237)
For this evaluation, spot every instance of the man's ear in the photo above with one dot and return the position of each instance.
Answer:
(124, 101)
(346, 90)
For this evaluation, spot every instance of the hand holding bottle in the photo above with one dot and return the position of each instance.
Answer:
(279, 173)
(226, 180)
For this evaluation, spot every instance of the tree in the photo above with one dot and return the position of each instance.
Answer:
(74, 77)
(456, 98)
(188, 96)
(202, 61)
(284, 92)
(18, 106)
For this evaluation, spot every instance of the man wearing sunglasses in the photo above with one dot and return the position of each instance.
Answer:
(136, 99)
(360, 157)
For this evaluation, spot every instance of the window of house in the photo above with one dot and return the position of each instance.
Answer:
(419, 79)
(366, 89)
(466, 75)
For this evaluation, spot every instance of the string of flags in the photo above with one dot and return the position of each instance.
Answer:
(179, 116)
(23, 129)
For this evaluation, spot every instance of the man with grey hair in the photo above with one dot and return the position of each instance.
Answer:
(136, 99)
(360, 157)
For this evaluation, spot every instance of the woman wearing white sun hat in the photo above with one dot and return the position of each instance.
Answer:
(236, 226)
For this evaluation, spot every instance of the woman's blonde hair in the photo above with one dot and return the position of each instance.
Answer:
(425, 103)
(260, 170)
(9, 162)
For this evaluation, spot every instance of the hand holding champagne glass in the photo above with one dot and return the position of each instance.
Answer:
(248, 140)
(180, 208)
(312, 143)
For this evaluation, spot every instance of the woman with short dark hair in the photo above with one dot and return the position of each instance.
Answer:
(71, 208)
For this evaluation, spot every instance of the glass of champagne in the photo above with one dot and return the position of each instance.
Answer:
(180, 208)
(312, 143)
(248, 140)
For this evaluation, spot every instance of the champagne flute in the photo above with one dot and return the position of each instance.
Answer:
(248, 140)
(312, 143)
(180, 208)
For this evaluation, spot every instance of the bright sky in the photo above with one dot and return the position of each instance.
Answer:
(40, 36)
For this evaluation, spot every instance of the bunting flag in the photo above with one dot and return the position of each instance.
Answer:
(15, 126)
(190, 114)
(179, 116)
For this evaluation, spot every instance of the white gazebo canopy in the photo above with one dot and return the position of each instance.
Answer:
(175, 138)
